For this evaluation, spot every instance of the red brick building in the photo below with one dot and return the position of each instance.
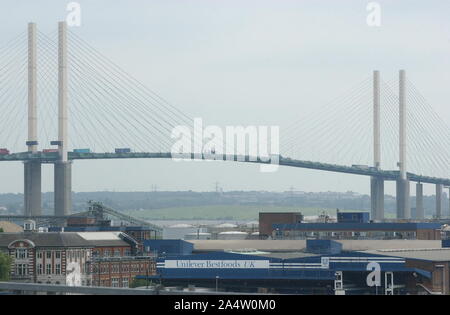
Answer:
(266, 219)
(76, 258)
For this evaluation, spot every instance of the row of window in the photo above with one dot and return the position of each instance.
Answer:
(48, 254)
(118, 268)
(111, 253)
(72, 255)
(21, 253)
(337, 234)
(115, 282)
(75, 255)
(48, 269)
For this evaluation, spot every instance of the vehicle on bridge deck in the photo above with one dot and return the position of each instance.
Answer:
(50, 150)
(364, 167)
(4, 151)
(82, 150)
(122, 150)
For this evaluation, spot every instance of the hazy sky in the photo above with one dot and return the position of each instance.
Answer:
(244, 62)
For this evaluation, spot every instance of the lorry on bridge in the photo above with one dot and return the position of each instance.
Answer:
(4, 151)
(82, 150)
(122, 150)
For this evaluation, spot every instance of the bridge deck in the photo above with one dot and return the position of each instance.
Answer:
(52, 157)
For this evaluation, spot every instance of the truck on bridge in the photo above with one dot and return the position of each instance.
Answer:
(82, 150)
(122, 150)
(4, 151)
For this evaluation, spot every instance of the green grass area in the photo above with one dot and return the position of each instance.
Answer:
(222, 212)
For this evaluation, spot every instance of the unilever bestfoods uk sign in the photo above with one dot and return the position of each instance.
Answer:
(231, 264)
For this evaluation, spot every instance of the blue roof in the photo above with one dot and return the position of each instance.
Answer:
(169, 247)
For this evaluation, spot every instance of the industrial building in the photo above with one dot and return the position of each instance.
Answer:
(322, 267)
(349, 225)
(382, 231)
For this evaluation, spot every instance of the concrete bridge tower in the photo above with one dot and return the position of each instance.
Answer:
(376, 183)
(63, 167)
(403, 204)
(32, 169)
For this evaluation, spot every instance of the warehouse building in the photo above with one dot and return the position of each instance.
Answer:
(349, 225)
(358, 231)
(320, 268)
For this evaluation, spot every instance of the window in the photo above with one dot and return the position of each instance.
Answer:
(115, 282)
(58, 255)
(48, 269)
(125, 282)
(106, 253)
(117, 253)
(58, 269)
(39, 255)
(39, 269)
(49, 255)
(127, 252)
(21, 253)
(21, 270)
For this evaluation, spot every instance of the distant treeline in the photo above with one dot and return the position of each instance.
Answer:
(165, 199)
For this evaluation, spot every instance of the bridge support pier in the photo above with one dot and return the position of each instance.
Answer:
(377, 198)
(32, 188)
(439, 189)
(403, 204)
(448, 213)
(63, 188)
(420, 214)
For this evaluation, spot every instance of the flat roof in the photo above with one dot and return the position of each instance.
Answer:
(9, 227)
(429, 254)
(100, 236)
(300, 245)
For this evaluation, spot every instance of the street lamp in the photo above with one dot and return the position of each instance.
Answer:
(217, 283)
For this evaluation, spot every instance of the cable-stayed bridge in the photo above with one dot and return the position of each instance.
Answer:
(57, 90)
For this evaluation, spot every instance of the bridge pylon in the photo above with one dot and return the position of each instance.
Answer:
(403, 204)
(32, 169)
(376, 183)
(63, 167)
(439, 203)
